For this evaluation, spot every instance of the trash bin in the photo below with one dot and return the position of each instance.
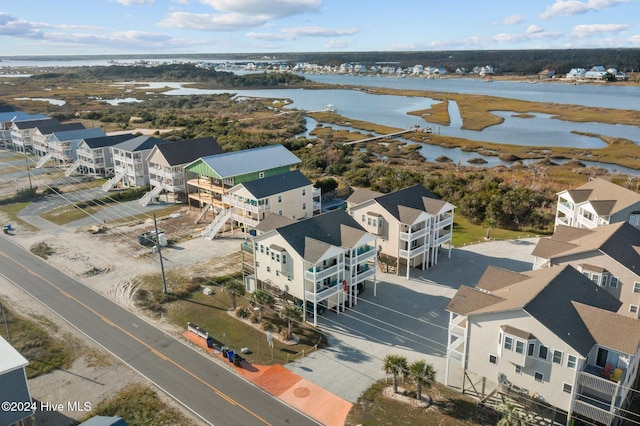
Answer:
(225, 350)
(230, 355)
(210, 342)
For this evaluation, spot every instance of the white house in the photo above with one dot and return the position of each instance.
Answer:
(608, 255)
(6, 121)
(289, 194)
(597, 203)
(42, 133)
(411, 224)
(22, 132)
(321, 262)
(94, 155)
(129, 162)
(576, 74)
(550, 336)
(63, 145)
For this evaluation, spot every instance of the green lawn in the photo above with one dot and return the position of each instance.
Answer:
(465, 233)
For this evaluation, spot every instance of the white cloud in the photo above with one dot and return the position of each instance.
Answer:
(576, 7)
(212, 22)
(534, 29)
(512, 20)
(288, 34)
(130, 2)
(271, 8)
(18, 27)
(337, 44)
(584, 31)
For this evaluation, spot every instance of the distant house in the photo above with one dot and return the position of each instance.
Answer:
(550, 335)
(320, 262)
(130, 167)
(461, 71)
(595, 73)
(94, 155)
(63, 145)
(14, 388)
(22, 132)
(620, 76)
(417, 69)
(576, 74)
(166, 164)
(41, 135)
(608, 255)
(547, 73)
(597, 203)
(7, 118)
(411, 224)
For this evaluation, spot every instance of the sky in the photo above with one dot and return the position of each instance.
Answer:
(67, 27)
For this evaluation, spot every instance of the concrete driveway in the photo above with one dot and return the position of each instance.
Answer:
(406, 317)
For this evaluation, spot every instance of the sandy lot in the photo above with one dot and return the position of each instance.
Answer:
(108, 263)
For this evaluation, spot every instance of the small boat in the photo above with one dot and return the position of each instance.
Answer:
(330, 108)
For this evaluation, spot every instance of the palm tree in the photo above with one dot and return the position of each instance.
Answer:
(291, 313)
(396, 365)
(511, 415)
(423, 374)
(234, 288)
(263, 298)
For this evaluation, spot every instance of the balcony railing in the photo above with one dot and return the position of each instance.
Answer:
(362, 254)
(249, 207)
(456, 330)
(364, 274)
(247, 220)
(323, 293)
(597, 383)
(410, 236)
(592, 412)
(321, 273)
(444, 222)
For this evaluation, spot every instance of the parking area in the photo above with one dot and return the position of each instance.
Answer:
(405, 317)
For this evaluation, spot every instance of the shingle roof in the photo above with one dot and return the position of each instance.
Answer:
(32, 124)
(17, 116)
(335, 228)
(517, 332)
(610, 330)
(68, 135)
(406, 204)
(607, 197)
(48, 129)
(276, 184)
(273, 221)
(548, 295)
(139, 143)
(361, 195)
(102, 141)
(239, 163)
(620, 241)
(184, 152)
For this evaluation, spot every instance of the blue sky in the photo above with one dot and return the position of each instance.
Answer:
(63, 27)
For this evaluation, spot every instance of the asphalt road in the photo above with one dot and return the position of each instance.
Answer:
(213, 393)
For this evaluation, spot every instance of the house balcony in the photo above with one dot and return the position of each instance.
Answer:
(321, 273)
(590, 381)
(206, 198)
(362, 254)
(363, 273)
(563, 220)
(456, 330)
(247, 220)
(247, 207)
(443, 223)
(566, 208)
(442, 239)
(414, 252)
(323, 292)
(456, 356)
(583, 222)
(413, 235)
(207, 185)
(586, 407)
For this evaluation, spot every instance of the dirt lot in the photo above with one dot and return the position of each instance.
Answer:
(108, 262)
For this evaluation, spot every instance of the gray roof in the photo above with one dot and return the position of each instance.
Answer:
(548, 295)
(139, 143)
(16, 116)
(408, 203)
(273, 221)
(311, 237)
(620, 241)
(361, 195)
(103, 141)
(606, 197)
(184, 152)
(247, 161)
(47, 129)
(32, 124)
(68, 135)
(276, 184)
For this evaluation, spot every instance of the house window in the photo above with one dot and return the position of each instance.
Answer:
(531, 349)
(284, 259)
(519, 347)
(613, 282)
(260, 175)
(595, 278)
(261, 248)
(634, 310)
(508, 343)
(542, 352)
(278, 258)
(538, 376)
(493, 359)
(304, 206)
(273, 255)
(268, 269)
(277, 273)
(518, 369)
(304, 192)
(636, 287)
(266, 251)
(566, 387)
(557, 357)
(363, 218)
(572, 361)
(279, 198)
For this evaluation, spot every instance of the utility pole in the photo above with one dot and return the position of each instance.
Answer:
(164, 279)
(26, 160)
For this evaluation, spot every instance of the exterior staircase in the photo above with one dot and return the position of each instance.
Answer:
(41, 162)
(203, 212)
(217, 223)
(146, 198)
(113, 181)
(72, 169)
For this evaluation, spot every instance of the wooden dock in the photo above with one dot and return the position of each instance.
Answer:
(390, 135)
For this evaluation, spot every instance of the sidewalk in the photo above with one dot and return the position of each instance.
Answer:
(305, 396)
